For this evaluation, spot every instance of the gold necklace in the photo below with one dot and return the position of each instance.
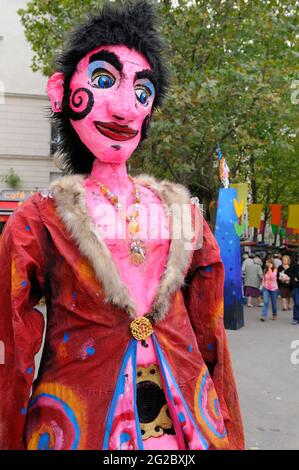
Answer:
(136, 246)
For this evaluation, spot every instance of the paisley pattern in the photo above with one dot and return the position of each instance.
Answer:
(123, 430)
(56, 419)
(207, 410)
(189, 435)
(122, 426)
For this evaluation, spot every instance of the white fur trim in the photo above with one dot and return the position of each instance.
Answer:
(69, 198)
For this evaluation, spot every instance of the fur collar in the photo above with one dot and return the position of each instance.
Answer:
(69, 195)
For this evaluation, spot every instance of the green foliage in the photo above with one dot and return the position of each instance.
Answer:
(46, 24)
(232, 66)
(12, 179)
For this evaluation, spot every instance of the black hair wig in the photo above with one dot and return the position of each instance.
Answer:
(131, 24)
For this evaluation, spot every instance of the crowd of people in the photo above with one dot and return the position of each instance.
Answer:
(270, 277)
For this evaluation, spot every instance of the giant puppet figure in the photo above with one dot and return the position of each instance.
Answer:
(135, 353)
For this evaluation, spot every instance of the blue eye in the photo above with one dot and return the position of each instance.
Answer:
(102, 80)
(143, 97)
(142, 94)
(105, 81)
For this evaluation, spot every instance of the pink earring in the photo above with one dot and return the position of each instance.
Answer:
(57, 105)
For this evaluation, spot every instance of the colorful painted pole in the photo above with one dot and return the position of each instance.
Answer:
(229, 243)
(229, 228)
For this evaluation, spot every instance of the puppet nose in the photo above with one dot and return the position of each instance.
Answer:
(124, 107)
(118, 118)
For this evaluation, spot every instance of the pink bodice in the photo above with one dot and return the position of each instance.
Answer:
(142, 281)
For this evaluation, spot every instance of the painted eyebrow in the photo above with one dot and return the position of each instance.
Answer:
(108, 57)
(145, 74)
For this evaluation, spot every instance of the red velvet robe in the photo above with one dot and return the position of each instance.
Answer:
(49, 247)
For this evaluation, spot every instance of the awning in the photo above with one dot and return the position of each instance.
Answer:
(7, 208)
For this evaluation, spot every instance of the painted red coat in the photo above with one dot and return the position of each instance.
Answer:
(49, 247)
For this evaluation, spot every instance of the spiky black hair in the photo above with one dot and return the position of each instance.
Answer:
(132, 24)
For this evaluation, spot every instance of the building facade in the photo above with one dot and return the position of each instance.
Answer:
(25, 129)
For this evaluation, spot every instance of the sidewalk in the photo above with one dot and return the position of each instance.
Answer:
(268, 383)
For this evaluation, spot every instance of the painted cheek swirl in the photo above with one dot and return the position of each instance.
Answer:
(81, 103)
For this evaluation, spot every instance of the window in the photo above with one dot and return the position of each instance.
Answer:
(54, 139)
(54, 176)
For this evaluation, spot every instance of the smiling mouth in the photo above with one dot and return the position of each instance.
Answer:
(115, 131)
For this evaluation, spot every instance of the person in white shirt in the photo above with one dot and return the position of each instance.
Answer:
(277, 260)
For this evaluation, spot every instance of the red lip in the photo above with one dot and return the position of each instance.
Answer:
(115, 131)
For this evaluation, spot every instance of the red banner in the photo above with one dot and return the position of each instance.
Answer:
(275, 213)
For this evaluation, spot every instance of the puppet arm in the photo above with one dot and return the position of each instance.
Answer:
(204, 301)
(21, 326)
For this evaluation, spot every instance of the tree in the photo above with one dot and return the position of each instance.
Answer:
(232, 65)
(12, 179)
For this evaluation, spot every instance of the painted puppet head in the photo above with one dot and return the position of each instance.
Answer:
(110, 78)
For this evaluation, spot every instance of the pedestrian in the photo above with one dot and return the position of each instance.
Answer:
(247, 259)
(284, 283)
(270, 289)
(293, 273)
(277, 260)
(258, 260)
(253, 280)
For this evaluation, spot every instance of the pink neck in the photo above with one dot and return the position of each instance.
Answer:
(113, 175)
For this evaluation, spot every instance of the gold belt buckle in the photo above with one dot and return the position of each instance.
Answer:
(141, 328)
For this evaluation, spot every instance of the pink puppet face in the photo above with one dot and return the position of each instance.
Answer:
(111, 96)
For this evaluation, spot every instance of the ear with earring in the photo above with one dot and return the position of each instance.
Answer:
(57, 105)
(55, 89)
